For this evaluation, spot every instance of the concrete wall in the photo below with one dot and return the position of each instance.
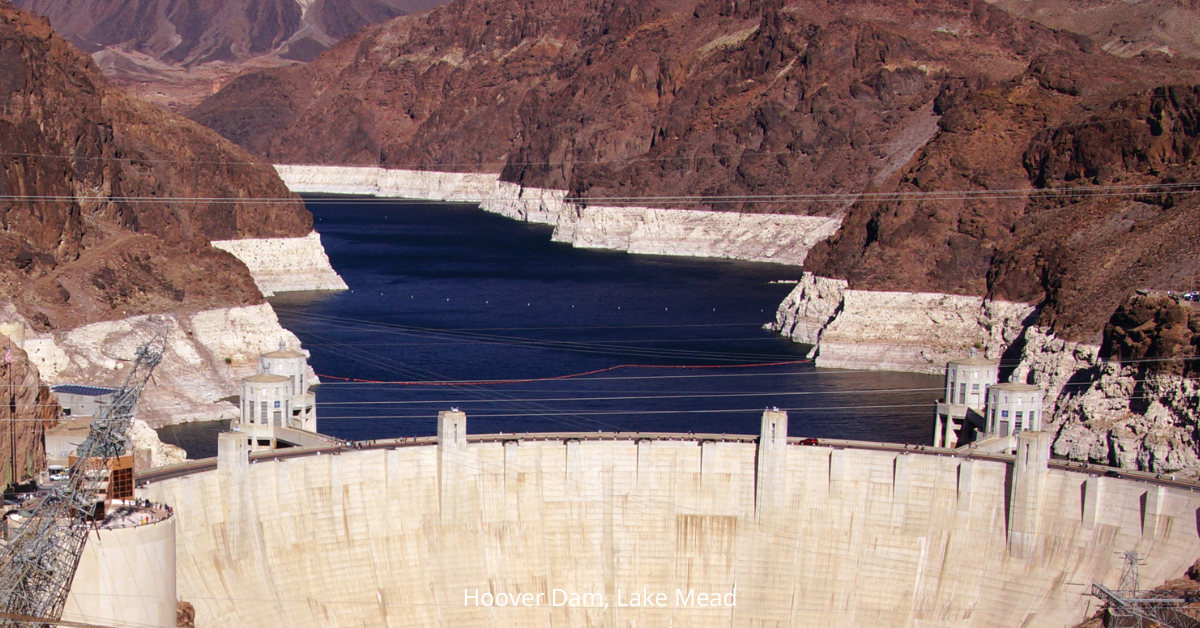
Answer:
(827, 537)
(126, 577)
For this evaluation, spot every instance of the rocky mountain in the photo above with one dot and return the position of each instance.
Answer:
(1122, 28)
(618, 98)
(662, 102)
(107, 204)
(172, 53)
(192, 33)
(1037, 171)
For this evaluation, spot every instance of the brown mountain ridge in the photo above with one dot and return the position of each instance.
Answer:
(107, 204)
(612, 99)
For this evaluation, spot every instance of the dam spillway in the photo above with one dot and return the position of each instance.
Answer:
(802, 535)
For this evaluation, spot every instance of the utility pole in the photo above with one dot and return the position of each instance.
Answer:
(12, 412)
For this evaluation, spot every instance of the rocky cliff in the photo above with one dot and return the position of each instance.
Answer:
(1132, 400)
(27, 408)
(659, 100)
(778, 238)
(109, 203)
(944, 133)
(107, 210)
(208, 352)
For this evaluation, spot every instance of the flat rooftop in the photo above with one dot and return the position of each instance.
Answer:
(81, 389)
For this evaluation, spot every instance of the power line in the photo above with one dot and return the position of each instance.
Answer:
(987, 194)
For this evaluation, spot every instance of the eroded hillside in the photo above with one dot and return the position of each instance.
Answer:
(958, 121)
(172, 53)
(108, 203)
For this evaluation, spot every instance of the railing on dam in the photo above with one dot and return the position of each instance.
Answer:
(208, 464)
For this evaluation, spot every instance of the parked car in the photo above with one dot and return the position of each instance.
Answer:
(810, 441)
(1113, 474)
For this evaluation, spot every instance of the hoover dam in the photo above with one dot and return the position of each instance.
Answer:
(650, 530)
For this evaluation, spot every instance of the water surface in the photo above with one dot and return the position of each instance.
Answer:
(451, 294)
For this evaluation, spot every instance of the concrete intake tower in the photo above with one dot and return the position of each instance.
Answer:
(496, 530)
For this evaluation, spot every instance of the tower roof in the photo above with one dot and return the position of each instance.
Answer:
(283, 353)
(1016, 387)
(266, 378)
(975, 362)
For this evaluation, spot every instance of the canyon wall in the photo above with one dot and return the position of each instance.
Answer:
(207, 354)
(1131, 401)
(783, 239)
(285, 264)
(27, 409)
(895, 331)
(801, 535)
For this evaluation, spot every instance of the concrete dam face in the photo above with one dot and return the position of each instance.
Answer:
(631, 530)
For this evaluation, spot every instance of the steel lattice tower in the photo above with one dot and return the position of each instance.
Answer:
(39, 563)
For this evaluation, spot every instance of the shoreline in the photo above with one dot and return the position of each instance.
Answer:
(777, 238)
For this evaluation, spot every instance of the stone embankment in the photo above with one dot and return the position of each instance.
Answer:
(207, 354)
(783, 239)
(285, 264)
(895, 331)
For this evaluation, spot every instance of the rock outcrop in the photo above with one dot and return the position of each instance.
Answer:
(149, 451)
(1133, 400)
(110, 203)
(27, 409)
(285, 264)
(109, 209)
(895, 331)
(699, 104)
(1030, 192)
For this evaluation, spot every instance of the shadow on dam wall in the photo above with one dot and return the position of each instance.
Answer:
(790, 535)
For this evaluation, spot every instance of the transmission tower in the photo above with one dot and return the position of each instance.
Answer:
(1130, 608)
(39, 563)
(1129, 575)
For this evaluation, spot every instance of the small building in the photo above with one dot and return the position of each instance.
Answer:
(960, 413)
(1014, 408)
(79, 400)
(277, 398)
(114, 476)
(64, 439)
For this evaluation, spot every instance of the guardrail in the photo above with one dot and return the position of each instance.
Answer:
(198, 466)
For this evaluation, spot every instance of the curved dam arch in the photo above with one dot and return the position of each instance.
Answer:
(502, 530)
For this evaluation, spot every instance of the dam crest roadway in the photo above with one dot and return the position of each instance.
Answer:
(838, 533)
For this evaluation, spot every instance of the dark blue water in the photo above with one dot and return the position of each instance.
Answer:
(449, 293)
